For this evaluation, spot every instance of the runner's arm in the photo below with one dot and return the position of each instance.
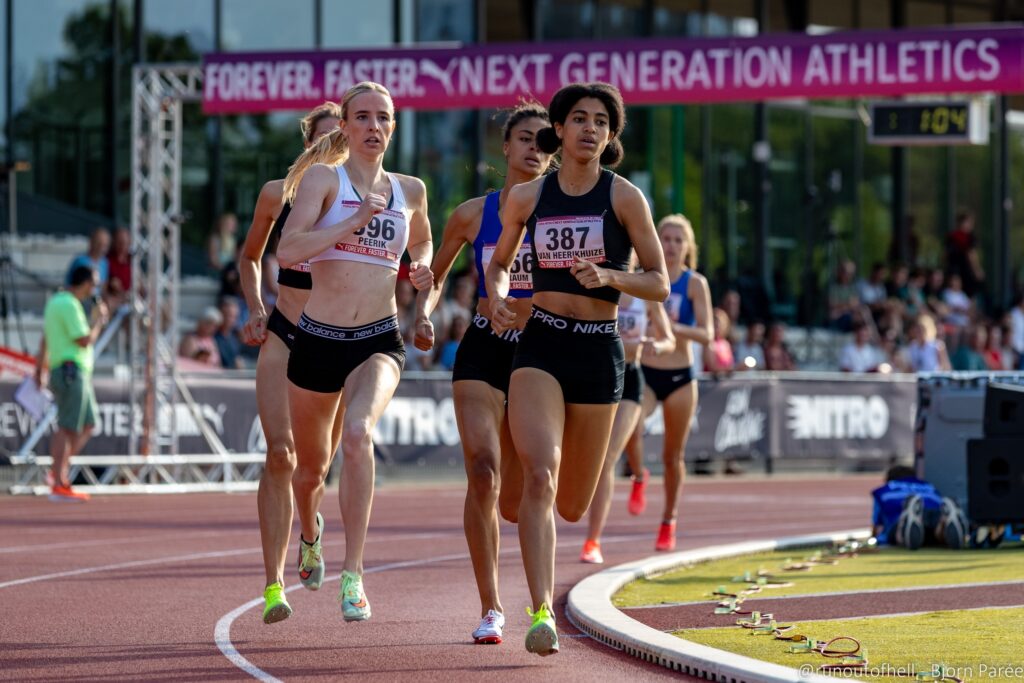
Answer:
(631, 207)
(421, 246)
(458, 231)
(250, 266)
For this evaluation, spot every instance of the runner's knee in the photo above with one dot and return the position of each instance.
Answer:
(355, 438)
(538, 482)
(280, 458)
(483, 474)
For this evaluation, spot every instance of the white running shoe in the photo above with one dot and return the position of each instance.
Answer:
(489, 630)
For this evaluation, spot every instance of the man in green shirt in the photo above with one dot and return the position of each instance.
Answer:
(66, 353)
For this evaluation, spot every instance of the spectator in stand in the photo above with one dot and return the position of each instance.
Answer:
(1017, 330)
(200, 345)
(95, 258)
(898, 281)
(962, 254)
(405, 300)
(911, 295)
(732, 306)
(776, 356)
(970, 354)
(119, 267)
(231, 285)
(994, 350)
(750, 352)
(844, 303)
(719, 357)
(925, 352)
(860, 355)
(895, 359)
(872, 290)
(222, 246)
(229, 345)
(462, 302)
(933, 293)
(958, 304)
(446, 355)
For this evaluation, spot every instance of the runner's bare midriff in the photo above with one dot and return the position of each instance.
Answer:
(575, 306)
(682, 357)
(349, 293)
(291, 301)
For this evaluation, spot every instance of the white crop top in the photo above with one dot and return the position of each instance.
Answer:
(633, 320)
(381, 242)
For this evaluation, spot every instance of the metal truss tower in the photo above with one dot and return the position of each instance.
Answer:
(158, 93)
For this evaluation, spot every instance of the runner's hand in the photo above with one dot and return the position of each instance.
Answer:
(372, 205)
(648, 347)
(254, 332)
(420, 276)
(589, 274)
(424, 340)
(503, 316)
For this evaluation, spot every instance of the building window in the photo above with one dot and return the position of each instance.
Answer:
(267, 25)
(372, 25)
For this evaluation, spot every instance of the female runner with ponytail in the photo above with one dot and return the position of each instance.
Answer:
(567, 374)
(483, 362)
(352, 222)
(274, 499)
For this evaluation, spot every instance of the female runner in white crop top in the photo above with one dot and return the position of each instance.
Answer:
(353, 223)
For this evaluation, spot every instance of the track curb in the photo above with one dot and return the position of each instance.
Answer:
(590, 609)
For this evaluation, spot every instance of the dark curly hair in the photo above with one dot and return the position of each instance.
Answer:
(521, 112)
(563, 102)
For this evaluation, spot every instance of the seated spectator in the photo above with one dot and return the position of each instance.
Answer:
(911, 295)
(1016, 338)
(994, 349)
(776, 356)
(895, 359)
(229, 345)
(719, 357)
(119, 267)
(957, 302)
(962, 256)
(970, 355)
(223, 242)
(898, 281)
(843, 302)
(872, 290)
(231, 285)
(95, 257)
(750, 352)
(926, 352)
(446, 355)
(933, 293)
(1008, 355)
(461, 304)
(200, 345)
(860, 355)
(731, 304)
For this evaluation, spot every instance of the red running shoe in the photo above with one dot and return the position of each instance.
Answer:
(637, 500)
(591, 553)
(666, 537)
(66, 493)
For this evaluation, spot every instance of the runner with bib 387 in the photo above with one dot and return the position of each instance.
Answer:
(567, 377)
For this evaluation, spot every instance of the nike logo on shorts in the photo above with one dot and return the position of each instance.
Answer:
(677, 378)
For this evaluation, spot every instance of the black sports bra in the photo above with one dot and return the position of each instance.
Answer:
(298, 277)
(563, 228)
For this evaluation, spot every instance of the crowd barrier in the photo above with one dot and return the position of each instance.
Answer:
(763, 415)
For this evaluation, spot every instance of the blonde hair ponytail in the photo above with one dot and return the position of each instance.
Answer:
(678, 220)
(331, 149)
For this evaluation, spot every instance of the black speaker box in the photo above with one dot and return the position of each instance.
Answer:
(995, 480)
(1004, 410)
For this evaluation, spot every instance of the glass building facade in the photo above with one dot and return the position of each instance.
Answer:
(774, 226)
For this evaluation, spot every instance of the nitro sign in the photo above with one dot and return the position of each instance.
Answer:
(837, 417)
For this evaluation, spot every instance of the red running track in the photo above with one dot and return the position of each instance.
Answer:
(133, 588)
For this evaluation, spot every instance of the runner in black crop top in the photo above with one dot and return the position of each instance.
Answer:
(296, 278)
(563, 228)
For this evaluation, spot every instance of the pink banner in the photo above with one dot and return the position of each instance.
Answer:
(654, 71)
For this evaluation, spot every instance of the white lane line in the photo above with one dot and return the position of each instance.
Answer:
(222, 631)
(185, 558)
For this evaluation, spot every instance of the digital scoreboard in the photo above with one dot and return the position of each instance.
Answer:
(964, 122)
